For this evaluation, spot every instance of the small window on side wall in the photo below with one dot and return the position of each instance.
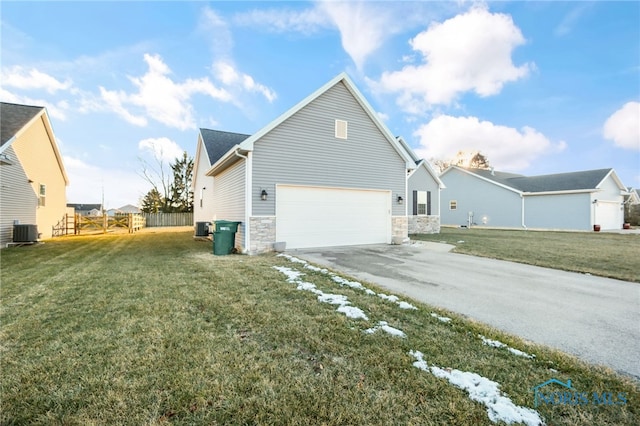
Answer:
(453, 205)
(42, 195)
(341, 129)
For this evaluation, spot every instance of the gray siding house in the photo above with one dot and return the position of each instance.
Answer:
(327, 172)
(565, 201)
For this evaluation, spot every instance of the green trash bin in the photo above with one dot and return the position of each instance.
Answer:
(224, 237)
(227, 226)
(223, 242)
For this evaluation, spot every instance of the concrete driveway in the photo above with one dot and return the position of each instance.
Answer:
(596, 319)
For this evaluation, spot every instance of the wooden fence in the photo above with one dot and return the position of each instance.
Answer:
(168, 219)
(130, 221)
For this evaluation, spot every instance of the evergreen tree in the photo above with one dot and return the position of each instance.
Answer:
(181, 197)
(153, 202)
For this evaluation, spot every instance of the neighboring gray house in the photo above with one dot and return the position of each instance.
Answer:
(424, 189)
(86, 209)
(327, 172)
(564, 201)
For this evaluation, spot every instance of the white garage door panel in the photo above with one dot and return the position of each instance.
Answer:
(609, 215)
(323, 217)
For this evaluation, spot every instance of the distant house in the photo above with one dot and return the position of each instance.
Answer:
(563, 201)
(129, 208)
(327, 172)
(86, 209)
(32, 173)
(423, 189)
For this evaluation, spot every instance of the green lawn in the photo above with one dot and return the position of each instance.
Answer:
(604, 254)
(154, 329)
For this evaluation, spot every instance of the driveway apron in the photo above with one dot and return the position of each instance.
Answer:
(596, 319)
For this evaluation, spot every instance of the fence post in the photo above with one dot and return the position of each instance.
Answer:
(105, 221)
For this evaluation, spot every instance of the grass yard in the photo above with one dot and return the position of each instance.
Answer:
(152, 329)
(604, 254)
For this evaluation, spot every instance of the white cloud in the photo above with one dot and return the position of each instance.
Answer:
(363, 27)
(506, 148)
(469, 52)
(56, 110)
(161, 148)
(161, 98)
(570, 20)
(623, 126)
(217, 32)
(285, 20)
(87, 183)
(229, 76)
(29, 79)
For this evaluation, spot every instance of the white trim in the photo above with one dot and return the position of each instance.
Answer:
(481, 178)
(615, 177)
(345, 188)
(248, 209)
(567, 191)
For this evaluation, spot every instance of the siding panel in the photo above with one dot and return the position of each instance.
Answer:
(303, 150)
(229, 197)
(17, 199)
(501, 207)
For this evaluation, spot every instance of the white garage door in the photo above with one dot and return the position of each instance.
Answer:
(609, 215)
(324, 217)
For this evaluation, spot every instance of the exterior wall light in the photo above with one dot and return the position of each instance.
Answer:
(400, 199)
(263, 195)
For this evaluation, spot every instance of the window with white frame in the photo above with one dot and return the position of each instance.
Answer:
(422, 202)
(453, 205)
(42, 194)
(341, 129)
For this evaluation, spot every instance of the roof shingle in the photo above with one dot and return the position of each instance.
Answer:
(14, 117)
(219, 143)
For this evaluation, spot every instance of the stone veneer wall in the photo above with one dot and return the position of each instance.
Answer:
(399, 228)
(424, 224)
(262, 234)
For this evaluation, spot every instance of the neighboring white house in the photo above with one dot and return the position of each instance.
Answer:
(33, 176)
(563, 201)
(327, 172)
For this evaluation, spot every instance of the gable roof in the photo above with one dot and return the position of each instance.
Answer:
(217, 143)
(13, 118)
(247, 144)
(84, 207)
(587, 180)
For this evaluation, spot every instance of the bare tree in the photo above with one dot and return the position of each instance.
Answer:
(475, 160)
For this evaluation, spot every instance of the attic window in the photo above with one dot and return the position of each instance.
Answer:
(341, 129)
(42, 195)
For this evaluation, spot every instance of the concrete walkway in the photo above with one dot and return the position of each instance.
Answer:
(596, 319)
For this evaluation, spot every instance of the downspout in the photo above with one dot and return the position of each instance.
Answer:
(522, 199)
(247, 194)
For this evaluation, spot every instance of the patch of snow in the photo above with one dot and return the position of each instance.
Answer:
(461, 241)
(384, 326)
(333, 299)
(292, 258)
(353, 312)
(483, 390)
(405, 305)
(390, 298)
(353, 284)
(443, 319)
(369, 292)
(316, 269)
(292, 274)
(498, 344)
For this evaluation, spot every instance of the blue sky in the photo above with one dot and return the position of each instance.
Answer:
(538, 87)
